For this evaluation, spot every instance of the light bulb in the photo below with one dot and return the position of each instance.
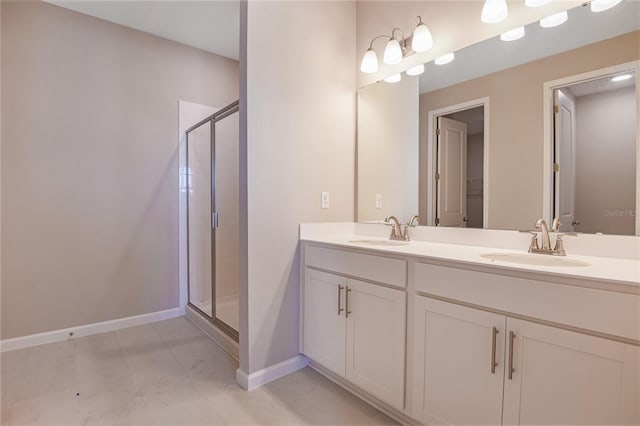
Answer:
(554, 20)
(417, 70)
(444, 59)
(515, 34)
(369, 63)
(422, 39)
(494, 11)
(602, 5)
(393, 78)
(536, 3)
(615, 79)
(392, 52)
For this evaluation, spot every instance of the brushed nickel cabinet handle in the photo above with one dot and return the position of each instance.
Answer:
(494, 364)
(346, 314)
(340, 308)
(512, 337)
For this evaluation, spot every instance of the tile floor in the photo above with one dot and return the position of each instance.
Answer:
(165, 373)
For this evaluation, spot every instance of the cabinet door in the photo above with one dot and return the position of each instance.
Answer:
(563, 377)
(324, 327)
(376, 340)
(459, 364)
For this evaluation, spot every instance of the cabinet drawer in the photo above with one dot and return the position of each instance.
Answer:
(596, 310)
(370, 267)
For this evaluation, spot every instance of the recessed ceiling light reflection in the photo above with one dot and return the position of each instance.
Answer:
(513, 35)
(554, 20)
(622, 77)
(444, 59)
(417, 70)
(393, 78)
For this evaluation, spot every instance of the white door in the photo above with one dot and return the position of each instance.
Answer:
(324, 329)
(376, 340)
(565, 152)
(459, 364)
(451, 199)
(562, 377)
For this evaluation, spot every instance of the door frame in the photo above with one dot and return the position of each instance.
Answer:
(432, 124)
(548, 131)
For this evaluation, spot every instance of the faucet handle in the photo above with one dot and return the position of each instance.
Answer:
(534, 241)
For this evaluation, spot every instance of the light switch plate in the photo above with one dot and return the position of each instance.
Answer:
(378, 201)
(325, 200)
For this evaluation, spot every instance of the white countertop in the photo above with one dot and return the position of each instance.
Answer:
(604, 273)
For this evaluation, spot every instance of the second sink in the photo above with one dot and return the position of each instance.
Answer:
(385, 243)
(535, 259)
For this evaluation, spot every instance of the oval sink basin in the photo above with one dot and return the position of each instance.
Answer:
(385, 243)
(535, 259)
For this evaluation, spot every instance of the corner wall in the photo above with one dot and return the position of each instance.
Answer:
(90, 165)
(300, 117)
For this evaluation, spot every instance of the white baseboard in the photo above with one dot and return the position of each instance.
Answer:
(262, 377)
(85, 330)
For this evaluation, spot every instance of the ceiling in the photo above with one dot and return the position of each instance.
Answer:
(601, 85)
(583, 27)
(211, 25)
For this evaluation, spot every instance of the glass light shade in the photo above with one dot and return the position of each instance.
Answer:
(515, 34)
(444, 59)
(615, 79)
(392, 52)
(417, 70)
(422, 39)
(554, 20)
(369, 63)
(393, 78)
(602, 5)
(536, 3)
(494, 11)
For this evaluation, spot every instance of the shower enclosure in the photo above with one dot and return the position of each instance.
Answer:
(212, 218)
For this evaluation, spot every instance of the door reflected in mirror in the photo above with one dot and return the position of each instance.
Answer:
(595, 133)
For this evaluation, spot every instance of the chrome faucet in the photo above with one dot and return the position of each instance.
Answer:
(397, 233)
(558, 249)
(396, 230)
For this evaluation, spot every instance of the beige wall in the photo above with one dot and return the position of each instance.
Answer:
(90, 165)
(606, 179)
(516, 124)
(388, 149)
(299, 141)
(453, 24)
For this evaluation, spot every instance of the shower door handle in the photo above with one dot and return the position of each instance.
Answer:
(214, 220)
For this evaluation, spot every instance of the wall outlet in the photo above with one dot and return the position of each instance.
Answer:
(378, 201)
(325, 200)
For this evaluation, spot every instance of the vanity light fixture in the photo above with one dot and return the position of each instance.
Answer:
(421, 40)
(622, 77)
(494, 11)
(602, 5)
(444, 59)
(395, 78)
(369, 63)
(536, 3)
(512, 35)
(417, 70)
(397, 47)
(393, 51)
(554, 20)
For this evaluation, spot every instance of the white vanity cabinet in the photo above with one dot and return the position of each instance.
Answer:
(356, 328)
(476, 366)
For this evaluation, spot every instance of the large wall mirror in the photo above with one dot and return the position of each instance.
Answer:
(512, 131)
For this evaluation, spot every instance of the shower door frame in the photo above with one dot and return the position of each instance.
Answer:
(225, 112)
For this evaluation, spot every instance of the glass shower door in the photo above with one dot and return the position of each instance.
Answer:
(199, 218)
(212, 218)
